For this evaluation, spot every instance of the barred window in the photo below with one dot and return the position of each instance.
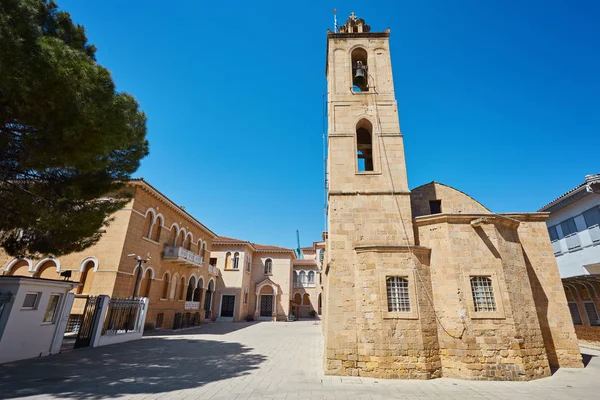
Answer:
(591, 312)
(397, 294)
(483, 294)
(575, 315)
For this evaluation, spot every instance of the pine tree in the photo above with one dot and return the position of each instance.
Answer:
(68, 139)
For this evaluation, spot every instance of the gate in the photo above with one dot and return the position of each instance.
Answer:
(86, 328)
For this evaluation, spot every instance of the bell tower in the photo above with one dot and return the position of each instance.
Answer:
(370, 232)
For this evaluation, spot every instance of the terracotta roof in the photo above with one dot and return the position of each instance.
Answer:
(307, 248)
(225, 239)
(255, 246)
(265, 247)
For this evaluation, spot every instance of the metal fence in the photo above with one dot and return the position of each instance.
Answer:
(122, 316)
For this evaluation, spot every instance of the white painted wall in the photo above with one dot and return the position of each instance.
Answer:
(22, 332)
(586, 260)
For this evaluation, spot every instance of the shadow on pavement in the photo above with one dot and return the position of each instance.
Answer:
(213, 328)
(586, 358)
(152, 365)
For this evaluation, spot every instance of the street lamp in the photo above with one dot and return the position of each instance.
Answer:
(138, 275)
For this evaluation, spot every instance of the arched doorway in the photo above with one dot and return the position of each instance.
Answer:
(86, 280)
(266, 302)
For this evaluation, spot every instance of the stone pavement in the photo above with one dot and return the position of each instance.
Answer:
(251, 361)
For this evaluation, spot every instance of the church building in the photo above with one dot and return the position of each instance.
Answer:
(427, 282)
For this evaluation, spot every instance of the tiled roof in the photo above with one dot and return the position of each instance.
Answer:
(265, 247)
(225, 239)
(256, 246)
(590, 179)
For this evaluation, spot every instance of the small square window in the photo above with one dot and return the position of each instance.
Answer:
(49, 316)
(31, 300)
(435, 206)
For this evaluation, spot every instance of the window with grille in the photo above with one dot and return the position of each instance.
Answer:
(591, 312)
(575, 315)
(483, 294)
(397, 294)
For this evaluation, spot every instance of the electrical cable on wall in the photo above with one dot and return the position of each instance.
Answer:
(402, 224)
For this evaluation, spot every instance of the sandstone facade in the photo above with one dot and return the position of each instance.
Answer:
(426, 283)
(177, 279)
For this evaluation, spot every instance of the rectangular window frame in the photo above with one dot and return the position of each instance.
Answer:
(36, 301)
(53, 313)
(574, 303)
(409, 275)
(468, 293)
(586, 308)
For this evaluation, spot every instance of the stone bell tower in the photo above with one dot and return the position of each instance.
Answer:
(370, 232)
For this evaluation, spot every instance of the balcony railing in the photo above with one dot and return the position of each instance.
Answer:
(213, 270)
(183, 256)
(305, 284)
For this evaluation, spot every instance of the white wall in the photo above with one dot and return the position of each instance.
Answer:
(22, 332)
(573, 263)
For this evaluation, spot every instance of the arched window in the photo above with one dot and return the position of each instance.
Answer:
(138, 274)
(19, 268)
(306, 299)
(198, 291)
(203, 253)
(360, 78)
(298, 298)
(174, 286)
(86, 280)
(302, 277)
(180, 238)
(311, 277)
(47, 270)
(181, 289)
(148, 224)
(268, 266)
(166, 281)
(187, 244)
(157, 228)
(236, 260)
(173, 235)
(364, 146)
(190, 290)
(228, 260)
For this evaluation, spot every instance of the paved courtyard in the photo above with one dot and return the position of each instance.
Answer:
(251, 361)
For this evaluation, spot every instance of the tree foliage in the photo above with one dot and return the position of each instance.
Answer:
(67, 137)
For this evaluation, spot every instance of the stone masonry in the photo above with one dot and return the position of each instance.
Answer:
(437, 241)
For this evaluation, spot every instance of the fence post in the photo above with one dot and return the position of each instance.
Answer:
(61, 325)
(142, 315)
(99, 317)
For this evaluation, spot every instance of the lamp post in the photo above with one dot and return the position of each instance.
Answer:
(138, 275)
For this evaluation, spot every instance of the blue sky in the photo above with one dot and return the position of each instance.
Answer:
(499, 99)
